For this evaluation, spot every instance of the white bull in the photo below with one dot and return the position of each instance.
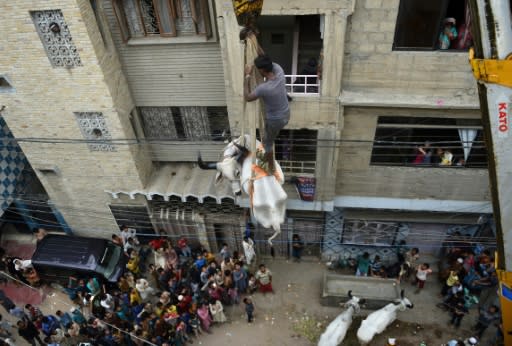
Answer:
(379, 320)
(266, 194)
(337, 329)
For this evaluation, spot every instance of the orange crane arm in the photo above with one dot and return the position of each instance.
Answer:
(492, 32)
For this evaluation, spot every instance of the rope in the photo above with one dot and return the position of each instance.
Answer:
(252, 50)
(244, 106)
(259, 173)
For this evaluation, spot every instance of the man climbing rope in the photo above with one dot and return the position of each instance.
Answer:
(273, 93)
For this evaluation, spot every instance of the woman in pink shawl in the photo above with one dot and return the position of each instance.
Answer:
(204, 316)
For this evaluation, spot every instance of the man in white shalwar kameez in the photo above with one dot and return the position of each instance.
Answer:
(249, 252)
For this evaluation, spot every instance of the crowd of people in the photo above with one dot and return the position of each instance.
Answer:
(172, 292)
(169, 295)
(468, 277)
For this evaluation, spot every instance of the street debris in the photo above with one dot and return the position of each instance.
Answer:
(309, 327)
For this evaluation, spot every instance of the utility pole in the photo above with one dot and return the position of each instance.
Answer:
(492, 67)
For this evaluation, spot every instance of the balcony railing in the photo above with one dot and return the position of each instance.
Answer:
(304, 168)
(300, 84)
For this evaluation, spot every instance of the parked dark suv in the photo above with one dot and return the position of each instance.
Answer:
(58, 257)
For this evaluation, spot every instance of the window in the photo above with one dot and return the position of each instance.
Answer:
(296, 151)
(369, 232)
(136, 217)
(56, 38)
(24, 214)
(168, 18)
(310, 228)
(429, 142)
(219, 122)
(433, 24)
(94, 128)
(296, 43)
(189, 123)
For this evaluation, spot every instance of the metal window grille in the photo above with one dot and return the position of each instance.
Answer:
(94, 128)
(56, 38)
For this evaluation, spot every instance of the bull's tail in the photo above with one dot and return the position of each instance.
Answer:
(277, 231)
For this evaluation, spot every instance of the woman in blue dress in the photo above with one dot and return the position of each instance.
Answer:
(240, 278)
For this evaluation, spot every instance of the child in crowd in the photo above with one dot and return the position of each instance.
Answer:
(195, 325)
(376, 266)
(421, 276)
(252, 284)
(249, 309)
(363, 264)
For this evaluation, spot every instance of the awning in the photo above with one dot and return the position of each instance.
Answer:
(182, 180)
(12, 165)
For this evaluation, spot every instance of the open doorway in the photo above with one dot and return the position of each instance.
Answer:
(291, 41)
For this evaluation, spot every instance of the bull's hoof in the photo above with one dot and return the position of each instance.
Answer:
(239, 193)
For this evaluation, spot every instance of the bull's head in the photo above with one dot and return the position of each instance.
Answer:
(403, 303)
(354, 301)
(228, 168)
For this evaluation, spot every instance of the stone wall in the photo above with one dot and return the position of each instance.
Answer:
(44, 104)
(357, 177)
(439, 78)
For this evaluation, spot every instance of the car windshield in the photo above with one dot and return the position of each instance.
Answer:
(109, 260)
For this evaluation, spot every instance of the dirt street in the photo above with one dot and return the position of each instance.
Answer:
(294, 316)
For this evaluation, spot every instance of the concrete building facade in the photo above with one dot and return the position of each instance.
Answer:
(137, 89)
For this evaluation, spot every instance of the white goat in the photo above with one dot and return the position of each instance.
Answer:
(337, 329)
(378, 321)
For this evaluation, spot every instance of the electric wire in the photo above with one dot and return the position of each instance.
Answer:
(128, 210)
(439, 242)
(36, 140)
(432, 236)
(94, 212)
(305, 142)
(155, 153)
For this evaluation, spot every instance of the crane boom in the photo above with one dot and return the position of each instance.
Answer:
(492, 66)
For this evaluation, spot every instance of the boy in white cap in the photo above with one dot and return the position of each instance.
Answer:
(448, 34)
(472, 341)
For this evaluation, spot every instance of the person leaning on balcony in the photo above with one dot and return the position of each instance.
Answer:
(311, 73)
(446, 158)
(448, 34)
(273, 93)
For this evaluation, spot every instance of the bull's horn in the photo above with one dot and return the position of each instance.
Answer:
(350, 294)
(244, 152)
(243, 149)
(205, 165)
